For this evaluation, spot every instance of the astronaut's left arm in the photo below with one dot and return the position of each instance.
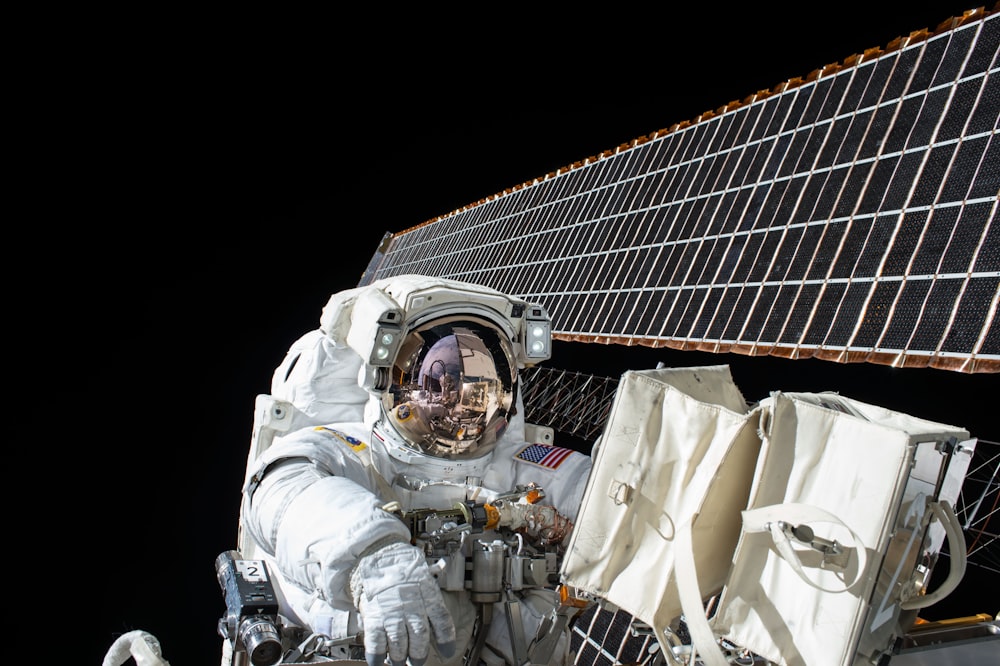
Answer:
(562, 489)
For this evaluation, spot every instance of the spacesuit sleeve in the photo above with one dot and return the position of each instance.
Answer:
(320, 377)
(316, 524)
(564, 484)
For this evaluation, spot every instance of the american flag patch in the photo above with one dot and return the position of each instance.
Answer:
(543, 455)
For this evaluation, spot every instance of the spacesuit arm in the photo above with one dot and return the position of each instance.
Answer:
(331, 537)
(316, 526)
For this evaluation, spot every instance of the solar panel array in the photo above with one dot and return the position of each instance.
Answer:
(848, 216)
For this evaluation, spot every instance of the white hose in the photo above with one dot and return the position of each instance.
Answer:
(139, 645)
(956, 551)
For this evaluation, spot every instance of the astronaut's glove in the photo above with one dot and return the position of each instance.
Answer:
(400, 604)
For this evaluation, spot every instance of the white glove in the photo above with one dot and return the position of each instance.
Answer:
(400, 604)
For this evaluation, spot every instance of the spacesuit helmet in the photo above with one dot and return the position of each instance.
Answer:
(453, 385)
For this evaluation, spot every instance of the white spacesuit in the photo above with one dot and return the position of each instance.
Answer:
(394, 491)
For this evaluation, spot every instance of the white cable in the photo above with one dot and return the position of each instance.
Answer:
(139, 645)
(956, 551)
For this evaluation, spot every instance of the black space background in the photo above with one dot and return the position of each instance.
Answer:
(194, 188)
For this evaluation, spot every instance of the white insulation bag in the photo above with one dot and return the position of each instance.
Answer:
(836, 525)
(679, 448)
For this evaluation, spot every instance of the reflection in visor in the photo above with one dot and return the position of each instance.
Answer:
(453, 391)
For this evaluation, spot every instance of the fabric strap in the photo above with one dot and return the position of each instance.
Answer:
(767, 519)
(702, 636)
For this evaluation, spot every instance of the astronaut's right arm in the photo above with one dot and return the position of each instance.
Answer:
(316, 525)
(329, 536)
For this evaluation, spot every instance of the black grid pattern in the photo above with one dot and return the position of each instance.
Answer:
(602, 637)
(850, 216)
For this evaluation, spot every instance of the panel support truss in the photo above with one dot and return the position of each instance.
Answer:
(569, 402)
(978, 507)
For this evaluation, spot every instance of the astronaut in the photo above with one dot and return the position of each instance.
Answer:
(395, 492)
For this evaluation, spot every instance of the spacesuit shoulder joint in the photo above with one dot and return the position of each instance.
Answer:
(259, 475)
